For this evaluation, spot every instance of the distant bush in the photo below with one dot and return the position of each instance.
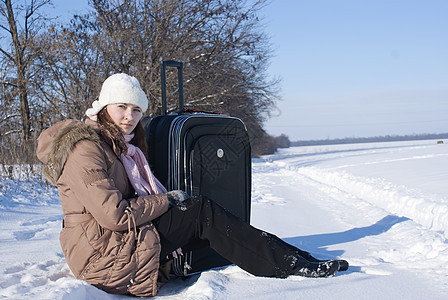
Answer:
(282, 141)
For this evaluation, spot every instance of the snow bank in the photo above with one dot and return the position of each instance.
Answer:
(381, 206)
(404, 178)
(427, 210)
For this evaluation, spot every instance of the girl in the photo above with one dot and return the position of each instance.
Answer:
(120, 224)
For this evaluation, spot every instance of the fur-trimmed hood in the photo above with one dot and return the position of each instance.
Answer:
(55, 143)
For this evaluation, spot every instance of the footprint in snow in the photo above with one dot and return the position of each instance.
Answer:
(29, 275)
(26, 234)
(33, 227)
(41, 221)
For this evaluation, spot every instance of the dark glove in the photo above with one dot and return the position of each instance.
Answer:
(176, 197)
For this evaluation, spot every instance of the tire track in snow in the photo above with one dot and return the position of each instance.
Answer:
(418, 244)
(425, 210)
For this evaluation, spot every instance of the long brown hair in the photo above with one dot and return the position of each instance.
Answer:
(114, 132)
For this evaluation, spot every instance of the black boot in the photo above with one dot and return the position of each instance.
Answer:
(315, 269)
(343, 264)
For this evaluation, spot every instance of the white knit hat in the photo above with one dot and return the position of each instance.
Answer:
(119, 88)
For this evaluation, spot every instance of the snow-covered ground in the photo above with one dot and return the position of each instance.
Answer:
(381, 206)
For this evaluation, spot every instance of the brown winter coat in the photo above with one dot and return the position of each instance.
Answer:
(107, 237)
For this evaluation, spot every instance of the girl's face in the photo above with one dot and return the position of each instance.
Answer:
(125, 116)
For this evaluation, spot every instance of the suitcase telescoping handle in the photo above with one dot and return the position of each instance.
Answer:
(179, 65)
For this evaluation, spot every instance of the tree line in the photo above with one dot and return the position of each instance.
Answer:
(52, 70)
(374, 139)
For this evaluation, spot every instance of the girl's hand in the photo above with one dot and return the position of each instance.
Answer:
(176, 197)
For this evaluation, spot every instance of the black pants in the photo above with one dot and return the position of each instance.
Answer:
(200, 220)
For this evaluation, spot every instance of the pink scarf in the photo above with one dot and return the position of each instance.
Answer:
(139, 172)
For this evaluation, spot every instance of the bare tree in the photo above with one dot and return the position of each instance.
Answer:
(221, 43)
(68, 76)
(20, 51)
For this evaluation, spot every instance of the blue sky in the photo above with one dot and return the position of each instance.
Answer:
(355, 68)
(359, 68)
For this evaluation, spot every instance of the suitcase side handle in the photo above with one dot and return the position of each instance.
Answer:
(179, 65)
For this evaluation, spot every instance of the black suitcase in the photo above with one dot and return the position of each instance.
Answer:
(201, 154)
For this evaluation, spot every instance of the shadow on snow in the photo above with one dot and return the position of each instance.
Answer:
(316, 244)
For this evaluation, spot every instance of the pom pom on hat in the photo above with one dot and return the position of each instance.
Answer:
(119, 88)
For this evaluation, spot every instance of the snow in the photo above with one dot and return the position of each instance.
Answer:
(381, 206)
